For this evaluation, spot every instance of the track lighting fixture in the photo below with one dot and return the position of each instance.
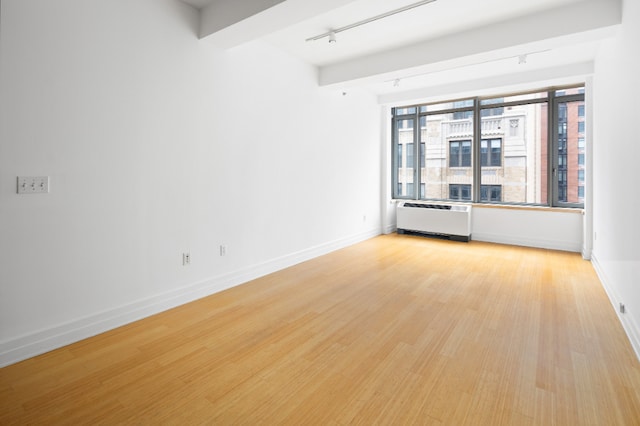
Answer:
(332, 33)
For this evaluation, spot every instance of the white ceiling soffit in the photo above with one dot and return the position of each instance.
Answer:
(435, 44)
(575, 23)
(229, 23)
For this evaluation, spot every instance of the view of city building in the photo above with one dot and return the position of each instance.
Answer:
(513, 149)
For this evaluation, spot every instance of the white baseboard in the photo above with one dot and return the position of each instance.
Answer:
(528, 242)
(628, 324)
(389, 229)
(33, 344)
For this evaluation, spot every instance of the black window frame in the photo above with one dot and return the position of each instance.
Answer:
(481, 106)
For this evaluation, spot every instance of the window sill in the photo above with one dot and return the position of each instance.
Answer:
(574, 210)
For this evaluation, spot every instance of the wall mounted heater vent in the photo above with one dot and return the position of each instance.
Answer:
(452, 221)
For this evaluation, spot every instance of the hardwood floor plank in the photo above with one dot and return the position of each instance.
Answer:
(394, 330)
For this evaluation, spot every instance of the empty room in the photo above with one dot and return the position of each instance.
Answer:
(319, 212)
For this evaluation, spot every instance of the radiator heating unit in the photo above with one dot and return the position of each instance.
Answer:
(452, 221)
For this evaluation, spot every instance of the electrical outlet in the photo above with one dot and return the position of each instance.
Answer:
(223, 250)
(33, 184)
(186, 259)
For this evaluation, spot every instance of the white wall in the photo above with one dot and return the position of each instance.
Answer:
(554, 229)
(156, 144)
(616, 152)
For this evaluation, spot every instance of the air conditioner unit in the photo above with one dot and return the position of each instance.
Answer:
(452, 221)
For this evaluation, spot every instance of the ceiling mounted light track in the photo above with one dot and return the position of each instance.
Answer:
(332, 33)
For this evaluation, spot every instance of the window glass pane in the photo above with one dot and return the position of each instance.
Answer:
(571, 91)
(491, 193)
(403, 111)
(403, 172)
(514, 158)
(524, 97)
(454, 154)
(570, 150)
(461, 192)
(465, 103)
(448, 155)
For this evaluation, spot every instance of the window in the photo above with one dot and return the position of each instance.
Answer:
(491, 152)
(528, 149)
(460, 154)
(460, 192)
(581, 191)
(490, 193)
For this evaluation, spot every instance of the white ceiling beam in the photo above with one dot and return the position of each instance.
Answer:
(229, 23)
(474, 87)
(585, 17)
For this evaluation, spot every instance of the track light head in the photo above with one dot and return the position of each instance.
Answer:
(332, 37)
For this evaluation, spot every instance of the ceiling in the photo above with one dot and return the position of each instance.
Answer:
(431, 28)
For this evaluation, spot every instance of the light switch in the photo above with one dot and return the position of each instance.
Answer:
(33, 184)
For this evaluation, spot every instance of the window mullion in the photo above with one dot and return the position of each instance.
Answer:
(552, 148)
(476, 160)
(416, 155)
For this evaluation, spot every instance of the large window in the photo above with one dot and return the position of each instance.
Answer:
(527, 149)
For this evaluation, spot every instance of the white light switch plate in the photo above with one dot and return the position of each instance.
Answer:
(33, 184)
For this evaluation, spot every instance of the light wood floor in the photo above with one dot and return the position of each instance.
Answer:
(395, 330)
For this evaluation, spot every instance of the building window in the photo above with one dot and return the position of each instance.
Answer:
(491, 193)
(580, 126)
(580, 142)
(580, 191)
(491, 152)
(422, 186)
(580, 175)
(580, 159)
(580, 110)
(399, 155)
(460, 154)
(459, 192)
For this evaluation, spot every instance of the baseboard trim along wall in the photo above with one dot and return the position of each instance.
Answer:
(628, 324)
(28, 346)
